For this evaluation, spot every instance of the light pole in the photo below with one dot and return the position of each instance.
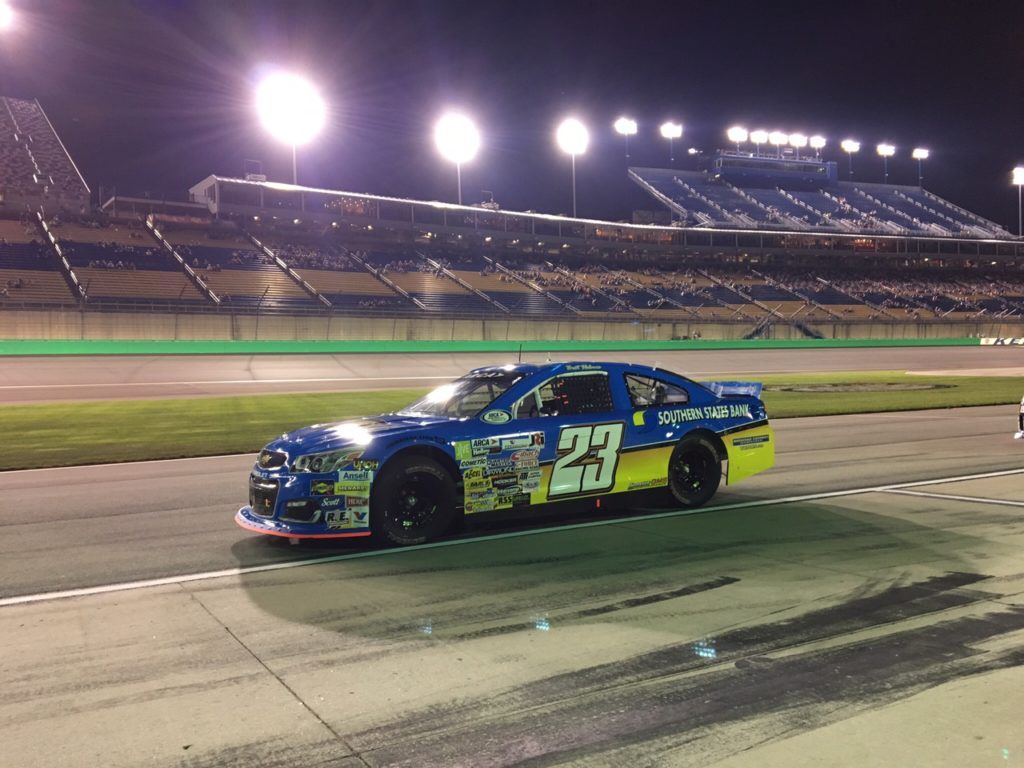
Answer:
(886, 151)
(624, 126)
(758, 138)
(291, 110)
(572, 137)
(850, 146)
(797, 141)
(737, 135)
(920, 155)
(1018, 179)
(458, 141)
(817, 144)
(778, 140)
(671, 131)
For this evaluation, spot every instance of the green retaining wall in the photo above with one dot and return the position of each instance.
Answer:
(219, 347)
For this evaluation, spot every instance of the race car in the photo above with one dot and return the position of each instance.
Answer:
(511, 437)
(1019, 434)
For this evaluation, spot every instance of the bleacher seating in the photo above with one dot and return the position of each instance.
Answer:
(484, 276)
(29, 272)
(41, 164)
(236, 271)
(429, 285)
(840, 205)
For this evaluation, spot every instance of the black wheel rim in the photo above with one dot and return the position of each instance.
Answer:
(414, 504)
(690, 471)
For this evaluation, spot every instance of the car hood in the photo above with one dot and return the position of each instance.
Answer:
(356, 432)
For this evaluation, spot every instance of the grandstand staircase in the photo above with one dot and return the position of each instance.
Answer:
(596, 289)
(791, 220)
(935, 212)
(793, 321)
(383, 278)
(65, 266)
(802, 296)
(735, 218)
(441, 269)
(825, 221)
(889, 226)
(531, 285)
(985, 228)
(189, 272)
(894, 211)
(652, 292)
(266, 251)
(857, 299)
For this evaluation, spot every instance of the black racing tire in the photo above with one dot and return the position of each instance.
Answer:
(694, 471)
(413, 501)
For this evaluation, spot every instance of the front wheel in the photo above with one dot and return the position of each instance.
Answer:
(694, 471)
(413, 500)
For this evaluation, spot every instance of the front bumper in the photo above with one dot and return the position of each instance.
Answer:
(252, 522)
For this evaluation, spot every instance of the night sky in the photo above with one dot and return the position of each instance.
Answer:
(153, 96)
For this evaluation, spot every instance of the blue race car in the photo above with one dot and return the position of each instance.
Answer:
(505, 438)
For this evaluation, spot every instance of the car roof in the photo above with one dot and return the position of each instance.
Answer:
(570, 366)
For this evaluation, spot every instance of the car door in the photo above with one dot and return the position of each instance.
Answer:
(583, 434)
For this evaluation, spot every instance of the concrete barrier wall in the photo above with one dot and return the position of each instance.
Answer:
(58, 324)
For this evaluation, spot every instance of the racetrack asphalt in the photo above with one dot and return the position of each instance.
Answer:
(47, 379)
(848, 623)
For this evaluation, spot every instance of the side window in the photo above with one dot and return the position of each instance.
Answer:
(568, 396)
(645, 392)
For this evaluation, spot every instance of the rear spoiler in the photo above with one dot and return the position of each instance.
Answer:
(734, 388)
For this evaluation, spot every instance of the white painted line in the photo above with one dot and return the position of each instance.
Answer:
(185, 578)
(125, 463)
(222, 381)
(954, 497)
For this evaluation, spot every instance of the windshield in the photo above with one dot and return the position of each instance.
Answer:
(465, 397)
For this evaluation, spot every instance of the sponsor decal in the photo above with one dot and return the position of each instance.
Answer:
(515, 443)
(583, 367)
(478, 484)
(479, 461)
(260, 473)
(332, 502)
(462, 450)
(496, 417)
(655, 483)
(526, 458)
(484, 445)
(356, 502)
(513, 500)
(361, 475)
(336, 518)
(352, 489)
(530, 479)
(473, 473)
(321, 488)
(366, 465)
(682, 415)
(359, 516)
(746, 442)
(505, 482)
(1001, 341)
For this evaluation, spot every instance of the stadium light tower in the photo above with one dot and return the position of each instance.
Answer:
(885, 151)
(1018, 179)
(920, 155)
(291, 110)
(778, 140)
(817, 144)
(625, 126)
(572, 137)
(671, 131)
(737, 135)
(797, 141)
(458, 141)
(6, 16)
(758, 138)
(850, 146)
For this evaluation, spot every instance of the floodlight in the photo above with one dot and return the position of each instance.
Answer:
(670, 130)
(290, 108)
(737, 134)
(572, 136)
(1018, 175)
(456, 137)
(759, 136)
(777, 138)
(6, 16)
(817, 143)
(625, 126)
(920, 154)
(849, 145)
(457, 140)
(885, 150)
(797, 140)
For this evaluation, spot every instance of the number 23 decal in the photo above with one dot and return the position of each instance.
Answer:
(587, 459)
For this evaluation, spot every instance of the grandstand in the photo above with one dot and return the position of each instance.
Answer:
(754, 242)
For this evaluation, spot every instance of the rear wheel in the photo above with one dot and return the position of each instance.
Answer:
(413, 500)
(694, 471)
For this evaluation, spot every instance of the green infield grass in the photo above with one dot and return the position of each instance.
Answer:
(133, 430)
